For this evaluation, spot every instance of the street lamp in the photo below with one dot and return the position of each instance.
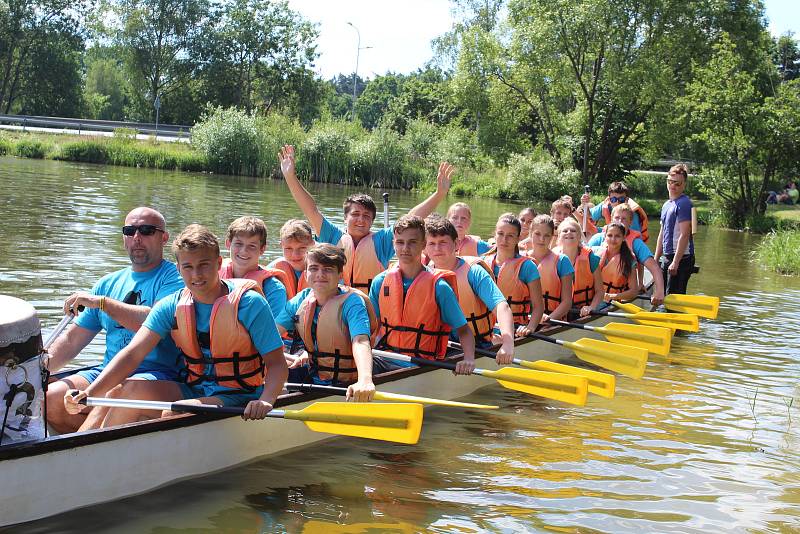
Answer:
(355, 74)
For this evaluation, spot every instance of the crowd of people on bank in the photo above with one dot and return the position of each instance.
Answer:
(232, 331)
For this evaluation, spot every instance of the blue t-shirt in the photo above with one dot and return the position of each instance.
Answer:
(383, 239)
(594, 261)
(596, 213)
(141, 289)
(564, 266)
(354, 315)
(528, 272)
(253, 313)
(275, 293)
(674, 212)
(449, 309)
(483, 247)
(640, 248)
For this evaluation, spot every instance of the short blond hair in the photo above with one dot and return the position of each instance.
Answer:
(195, 237)
(459, 205)
(296, 229)
(248, 226)
(622, 209)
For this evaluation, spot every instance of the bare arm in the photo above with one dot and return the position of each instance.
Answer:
(659, 248)
(130, 316)
(598, 293)
(443, 181)
(303, 198)
(506, 321)
(685, 228)
(566, 298)
(276, 374)
(658, 279)
(537, 308)
(67, 346)
(364, 389)
(467, 341)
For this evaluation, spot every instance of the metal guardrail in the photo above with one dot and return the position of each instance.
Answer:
(96, 125)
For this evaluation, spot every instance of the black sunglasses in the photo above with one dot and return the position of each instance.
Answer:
(144, 229)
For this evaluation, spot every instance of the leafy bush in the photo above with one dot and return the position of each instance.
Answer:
(6, 146)
(327, 152)
(32, 148)
(529, 179)
(230, 140)
(127, 135)
(89, 151)
(420, 139)
(780, 251)
(275, 131)
(380, 160)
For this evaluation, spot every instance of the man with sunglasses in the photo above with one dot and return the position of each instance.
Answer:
(617, 195)
(117, 304)
(675, 237)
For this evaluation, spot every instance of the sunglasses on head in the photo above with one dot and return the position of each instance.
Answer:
(143, 229)
(617, 199)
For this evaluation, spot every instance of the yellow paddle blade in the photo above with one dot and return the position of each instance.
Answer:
(623, 359)
(601, 384)
(566, 388)
(679, 321)
(701, 305)
(628, 307)
(401, 423)
(655, 339)
(396, 397)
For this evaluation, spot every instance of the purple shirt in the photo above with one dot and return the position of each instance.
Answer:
(674, 212)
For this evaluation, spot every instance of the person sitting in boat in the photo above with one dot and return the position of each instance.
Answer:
(617, 265)
(296, 238)
(618, 194)
(517, 276)
(247, 241)
(368, 253)
(480, 299)
(335, 323)
(623, 214)
(117, 304)
(467, 245)
(418, 308)
(555, 270)
(224, 329)
(587, 284)
(525, 217)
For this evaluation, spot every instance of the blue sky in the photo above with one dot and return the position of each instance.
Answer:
(400, 33)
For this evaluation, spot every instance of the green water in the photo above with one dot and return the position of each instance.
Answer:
(708, 441)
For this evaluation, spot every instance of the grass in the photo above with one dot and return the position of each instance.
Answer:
(780, 251)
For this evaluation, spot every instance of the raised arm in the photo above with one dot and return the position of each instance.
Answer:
(443, 180)
(303, 198)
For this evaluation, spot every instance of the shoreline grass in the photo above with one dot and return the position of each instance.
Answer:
(779, 251)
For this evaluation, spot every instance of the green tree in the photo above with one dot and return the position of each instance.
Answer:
(787, 56)
(105, 78)
(374, 101)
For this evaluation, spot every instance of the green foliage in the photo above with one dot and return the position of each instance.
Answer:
(230, 140)
(530, 179)
(780, 251)
(6, 146)
(104, 89)
(125, 134)
(31, 148)
(276, 130)
(380, 160)
(88, 151)
(327, 153)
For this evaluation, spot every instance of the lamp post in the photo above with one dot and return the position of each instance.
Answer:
(355, 74)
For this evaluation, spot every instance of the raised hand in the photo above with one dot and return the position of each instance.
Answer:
(287, 160)
(444, 177)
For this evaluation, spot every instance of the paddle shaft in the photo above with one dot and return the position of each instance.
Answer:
(585, 211)
(572, 325)
(386, 210)
(392, 397)
(420, 361)
(60, 328)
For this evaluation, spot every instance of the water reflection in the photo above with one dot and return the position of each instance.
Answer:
(709, 440)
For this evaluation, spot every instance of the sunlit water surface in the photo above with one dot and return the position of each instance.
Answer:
(708, 441)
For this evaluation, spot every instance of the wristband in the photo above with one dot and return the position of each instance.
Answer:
(102, 304)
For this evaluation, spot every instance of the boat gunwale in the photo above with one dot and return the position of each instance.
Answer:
(90, 437)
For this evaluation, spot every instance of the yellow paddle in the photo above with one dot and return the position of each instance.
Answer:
(702, 305)
(655, 339)
(676, 321)
(565, 388)
(623, 359)
(400, 423)
(601, 384)
(391, 397)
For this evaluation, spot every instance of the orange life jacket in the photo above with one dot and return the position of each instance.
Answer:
(332, 359)
(411, 324)
(583, 283)
(516, 292)
(468, 246)
(235, 360)
(257, 275)
(613, 280)
(479, 317)
(294, 285)
(362, 261)
(551, 283)
(636, 209)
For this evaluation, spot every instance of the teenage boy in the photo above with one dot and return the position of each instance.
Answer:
(623, 214)
(368, 253)
(296, 239)
(675, 237)
(247, 240)
(618, 194)
(335, 324)
(242, 328)
(418, 308)
(480, 299)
